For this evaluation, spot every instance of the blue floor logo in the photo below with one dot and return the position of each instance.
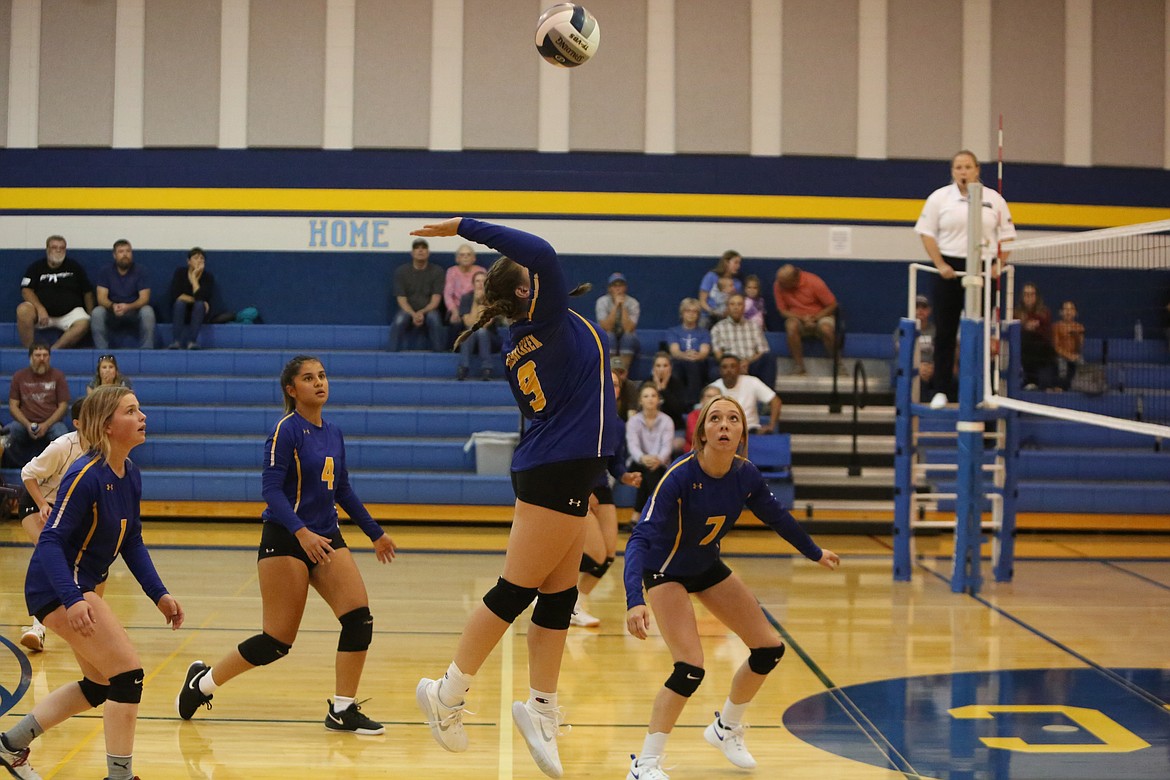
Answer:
(15, 675)
(1026, 723)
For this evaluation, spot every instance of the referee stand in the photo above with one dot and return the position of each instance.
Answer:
(985, 477)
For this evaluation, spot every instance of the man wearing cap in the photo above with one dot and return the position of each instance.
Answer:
(627, 389)
(418, 290)
(617, 314)
(925, 344)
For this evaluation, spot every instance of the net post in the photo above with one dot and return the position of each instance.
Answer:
(966, 576)
(903, 448)
(1006, 533)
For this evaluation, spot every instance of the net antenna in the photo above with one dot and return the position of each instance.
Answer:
(1131, 393)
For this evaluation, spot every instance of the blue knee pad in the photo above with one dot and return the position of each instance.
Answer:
(94, 693)
(126, 687)
(762, 660)
(357, 631)
(685, 679)
(262, 649)
(507, 601)
(555, 610)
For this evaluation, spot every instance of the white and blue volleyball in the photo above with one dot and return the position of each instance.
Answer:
(567, 35)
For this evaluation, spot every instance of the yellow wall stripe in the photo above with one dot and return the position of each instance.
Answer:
(582, 204)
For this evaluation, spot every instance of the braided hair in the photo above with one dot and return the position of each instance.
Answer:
(499, 295)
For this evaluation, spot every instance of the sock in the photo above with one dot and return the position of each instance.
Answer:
(22, 734)
(119, 767)
(454, 685)
(732, 714)
(207, 685)
(37, 623)
(341, 703)
(541, 701)
(654, 745)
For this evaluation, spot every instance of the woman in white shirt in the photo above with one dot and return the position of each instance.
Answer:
(943, 230)
(649, 436)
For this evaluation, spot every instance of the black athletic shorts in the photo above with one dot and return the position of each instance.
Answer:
(43, 612)
(694, 583)
(563, 486)
(28, 506)
(276, 542)
(604, 494)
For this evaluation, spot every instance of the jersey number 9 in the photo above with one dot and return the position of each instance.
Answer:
(530, 385)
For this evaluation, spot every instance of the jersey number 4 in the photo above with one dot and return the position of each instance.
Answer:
(530, 385)
(327, 472)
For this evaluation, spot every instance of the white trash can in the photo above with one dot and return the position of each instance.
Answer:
(493, 451)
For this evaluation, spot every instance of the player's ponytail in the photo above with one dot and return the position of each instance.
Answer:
(489, 313)
(580, 289)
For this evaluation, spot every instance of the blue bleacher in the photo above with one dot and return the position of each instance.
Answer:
(406, 420)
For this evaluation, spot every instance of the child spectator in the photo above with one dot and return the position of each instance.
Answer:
(690, 346)
(718, 297)
(753, 302)
(1068, 339)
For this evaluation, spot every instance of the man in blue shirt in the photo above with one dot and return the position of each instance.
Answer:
(123, 298)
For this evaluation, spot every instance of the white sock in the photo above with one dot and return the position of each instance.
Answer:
(37, 624)
(732, 714)
(341, 703)
(454, 685)
(654, 745)
(207, 684)
(541, 701)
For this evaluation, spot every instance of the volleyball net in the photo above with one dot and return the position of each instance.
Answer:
(1092, 332)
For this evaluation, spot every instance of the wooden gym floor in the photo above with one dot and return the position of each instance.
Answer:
(1061, 673)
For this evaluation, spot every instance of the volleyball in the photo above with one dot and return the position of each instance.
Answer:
(567, 35)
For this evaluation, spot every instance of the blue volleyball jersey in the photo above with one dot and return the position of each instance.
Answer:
(689, 514)
(95, 518)
(557, 361)
(305, 478)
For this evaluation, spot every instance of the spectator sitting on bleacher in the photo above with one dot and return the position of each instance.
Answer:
(107, 373)
(57, 293)
(123, 299)
(670, 390)
(650, 438)
(1037, 356)
(484, 339)
(1068, 339)
(192, 288)
(753, 302)
(807, 306)
(750, 392)
(459, 281)
(718, 297)
(924, 345)
(709, 392)
(418, 290)
(38, 399)
(690, 346)
(735, 335)
(617, 314)
(728, 265)
(627, 391)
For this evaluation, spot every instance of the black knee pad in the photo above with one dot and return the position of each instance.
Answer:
(762, 660)
(507, 601)
(357, 630)
(262, 649)
(126, 687)
(685, 679)
(94, 693)
(593, 568)
(555, 610)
